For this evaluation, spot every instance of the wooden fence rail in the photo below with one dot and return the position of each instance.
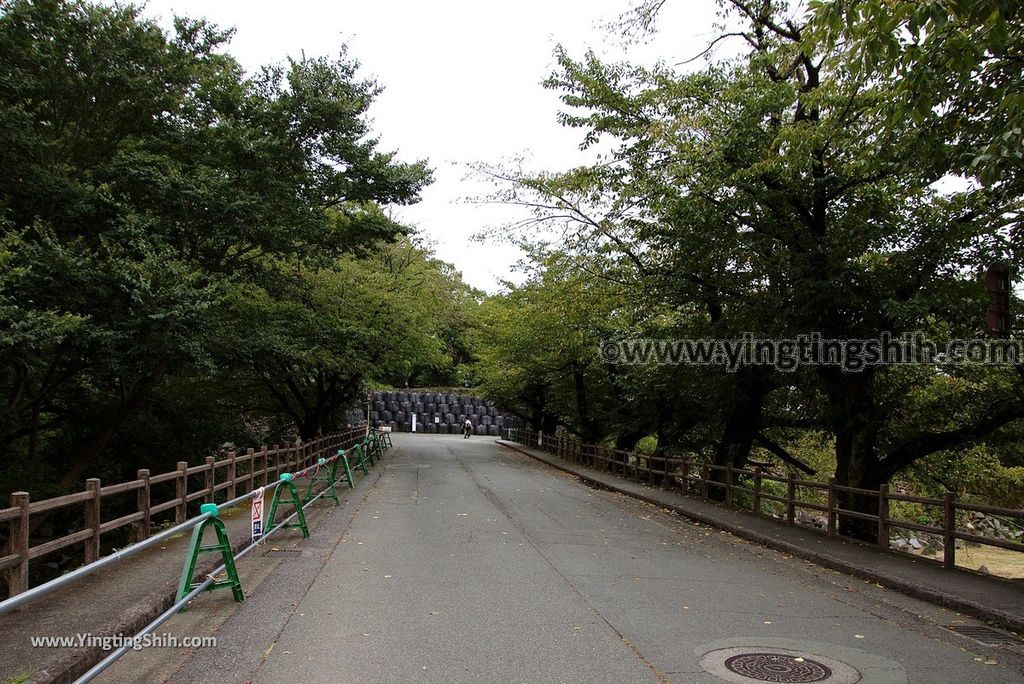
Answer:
(235, 474)
(689, 475)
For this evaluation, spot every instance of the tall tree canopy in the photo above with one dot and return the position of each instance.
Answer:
(175, 229)
(804, 186)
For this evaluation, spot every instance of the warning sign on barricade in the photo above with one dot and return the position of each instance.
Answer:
(257, 515)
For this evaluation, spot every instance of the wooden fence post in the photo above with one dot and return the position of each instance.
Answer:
(883, 517)
(17, 576)
(250, 474)
(263, 461)
(704, 473)
(686, 475)
(790, 499)
(728, 485)
(232, 474)
(210, 479)
(277, 461)
(181, 493)
(92, 520)
(757, 492)
(949, 527)
(831, 531)
(142, 528)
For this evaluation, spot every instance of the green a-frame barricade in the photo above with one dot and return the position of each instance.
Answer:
(294, 499)
(360, 458)
(371, 449)
(223, 546)
(327, 477)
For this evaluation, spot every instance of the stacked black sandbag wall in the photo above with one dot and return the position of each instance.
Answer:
(436, 413)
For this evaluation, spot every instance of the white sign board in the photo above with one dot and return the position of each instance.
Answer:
(257, 515)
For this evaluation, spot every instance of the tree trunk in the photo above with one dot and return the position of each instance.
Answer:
(588, 429)
(852, 406)
(741, 426)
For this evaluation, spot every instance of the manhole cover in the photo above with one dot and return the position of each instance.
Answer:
(764, 663)
(777, 667)
(987, 636)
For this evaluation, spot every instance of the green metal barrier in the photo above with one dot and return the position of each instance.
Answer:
(343, 460)
(370, 449)
(223, 546)
(359, 457)
(293, 498)
(326, 476)
(373, 445)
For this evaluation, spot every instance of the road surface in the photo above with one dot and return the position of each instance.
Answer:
(468, 562)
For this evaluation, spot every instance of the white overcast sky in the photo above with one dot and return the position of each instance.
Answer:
(462, 85)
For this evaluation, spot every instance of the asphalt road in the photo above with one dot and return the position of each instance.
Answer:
(471, 563)
(468, 562)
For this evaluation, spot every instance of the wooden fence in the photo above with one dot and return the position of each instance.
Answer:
(235, 474)
(701, 476)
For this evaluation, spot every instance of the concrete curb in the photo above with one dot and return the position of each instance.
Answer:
(71, 665)
(946, 600)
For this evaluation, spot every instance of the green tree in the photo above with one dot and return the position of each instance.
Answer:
(955, 67)
(774, 194)
(147, 184)
(326, 332)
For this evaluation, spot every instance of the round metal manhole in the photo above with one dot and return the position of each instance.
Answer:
(778, 667)
(765, 663)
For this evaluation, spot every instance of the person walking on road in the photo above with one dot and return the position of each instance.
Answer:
(467, 428)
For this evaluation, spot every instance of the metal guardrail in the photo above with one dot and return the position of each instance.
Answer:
(114, 655)
(22, 598)
(91, 568)
(228, 475)
(687, 474)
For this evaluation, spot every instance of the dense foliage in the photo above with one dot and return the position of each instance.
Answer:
(850, 173)
(193, 255)
(190, 254)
